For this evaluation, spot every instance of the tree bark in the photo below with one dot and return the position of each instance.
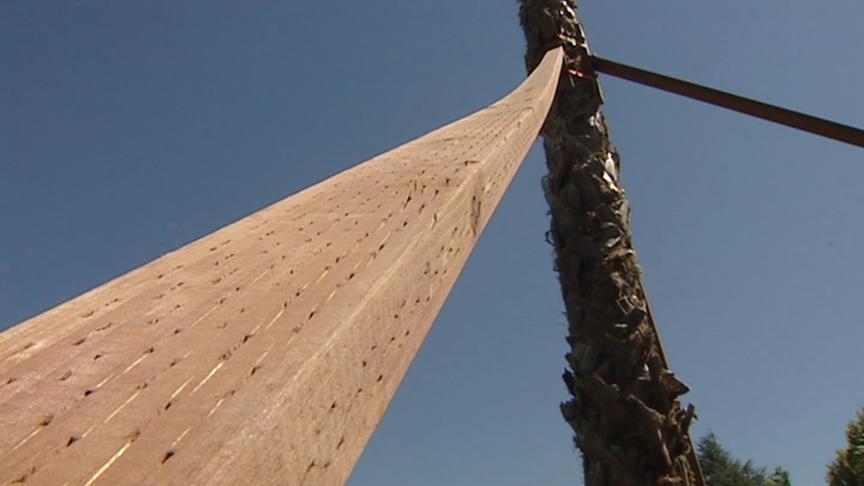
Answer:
(629, 424)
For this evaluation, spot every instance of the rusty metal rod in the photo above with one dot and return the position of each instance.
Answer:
(776, 114)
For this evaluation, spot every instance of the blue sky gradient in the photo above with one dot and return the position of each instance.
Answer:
(128, 129)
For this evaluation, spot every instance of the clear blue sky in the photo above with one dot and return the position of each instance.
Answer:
(130, 128)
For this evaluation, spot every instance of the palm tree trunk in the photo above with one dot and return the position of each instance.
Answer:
(629, 424)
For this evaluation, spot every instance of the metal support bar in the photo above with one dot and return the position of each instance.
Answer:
(776, 114)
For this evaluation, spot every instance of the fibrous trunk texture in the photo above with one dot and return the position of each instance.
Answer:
(629, 423)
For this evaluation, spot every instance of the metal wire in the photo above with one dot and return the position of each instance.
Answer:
(776, 114)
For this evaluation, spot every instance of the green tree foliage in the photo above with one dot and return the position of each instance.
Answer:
(780, 477)
(848, 467)
(721, 469)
